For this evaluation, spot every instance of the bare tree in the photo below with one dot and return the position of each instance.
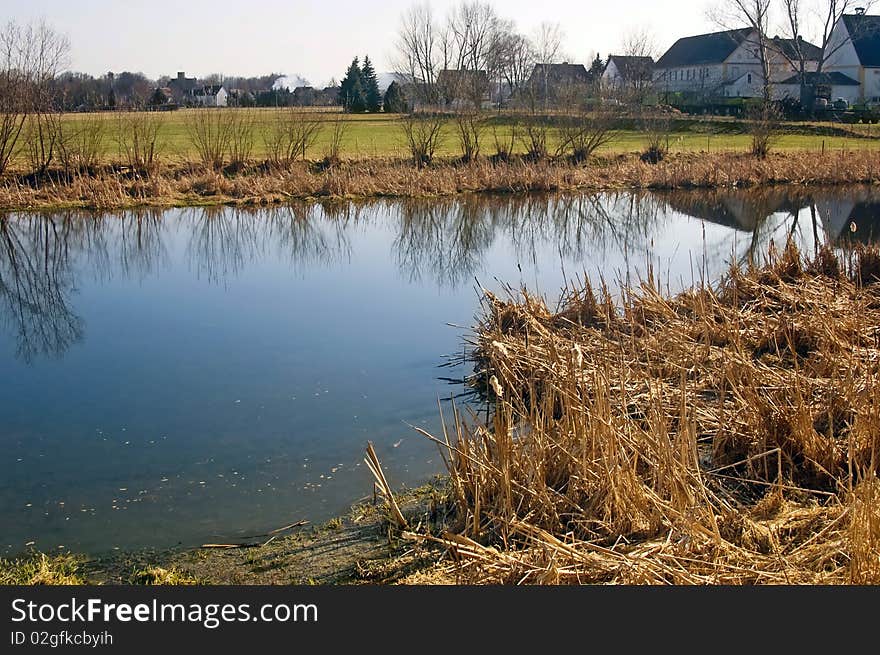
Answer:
(469, 126)
(515, 61)
(807, 22)
(548, 43)
(754, 14)
(46, 54)
(418, 49)
(548, 51)
(640, 46)
(470, 45)
(31, 56)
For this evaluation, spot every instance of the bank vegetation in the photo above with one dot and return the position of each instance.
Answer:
(724, 435)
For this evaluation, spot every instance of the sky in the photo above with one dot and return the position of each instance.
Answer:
(313, 39)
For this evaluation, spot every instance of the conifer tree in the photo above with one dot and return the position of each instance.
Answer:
(370, 85)
(395, 101)
(351, 89)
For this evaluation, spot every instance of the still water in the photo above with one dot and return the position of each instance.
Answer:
(171, 378)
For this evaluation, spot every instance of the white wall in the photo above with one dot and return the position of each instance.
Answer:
(704, 79)
(842, 58)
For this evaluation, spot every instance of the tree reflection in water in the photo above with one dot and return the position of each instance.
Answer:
(36, 282)
(446, 241)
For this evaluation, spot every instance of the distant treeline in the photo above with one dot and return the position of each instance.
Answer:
(72, 91)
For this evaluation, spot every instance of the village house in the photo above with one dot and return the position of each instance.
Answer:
(854, 51)
(464, 88)
(182, 87)
(627, 72)
(212, 95)
(553, 82)
(726, 64)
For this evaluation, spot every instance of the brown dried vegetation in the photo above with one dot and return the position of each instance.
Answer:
(724, 435)
(122, 186)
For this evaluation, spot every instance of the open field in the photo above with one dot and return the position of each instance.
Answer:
(372, 160)
(369, 136)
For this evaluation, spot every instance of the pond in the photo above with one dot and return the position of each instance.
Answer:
(184, 376)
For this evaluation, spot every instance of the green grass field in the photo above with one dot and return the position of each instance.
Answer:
(380, 135)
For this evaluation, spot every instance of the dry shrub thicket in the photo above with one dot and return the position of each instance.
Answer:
(469, 128)
(422, 134)
(727, 435)
(290, 135)
(137, 138)
(583, 134)
(210, 132)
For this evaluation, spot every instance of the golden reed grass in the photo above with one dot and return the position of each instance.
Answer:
(258, 184)
(725, 435)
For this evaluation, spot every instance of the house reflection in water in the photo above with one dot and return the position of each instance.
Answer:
(835, 216)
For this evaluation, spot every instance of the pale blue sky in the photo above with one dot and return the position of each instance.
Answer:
(314, 39)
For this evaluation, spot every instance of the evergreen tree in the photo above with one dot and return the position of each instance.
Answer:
(370, 84)
(351, 89)
(357, 100)
(596, 68)
(395, 101)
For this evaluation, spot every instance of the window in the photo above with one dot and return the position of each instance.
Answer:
(750, 78)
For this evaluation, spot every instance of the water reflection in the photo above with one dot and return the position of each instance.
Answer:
(441, 241)
(223, 368)
(36, 284)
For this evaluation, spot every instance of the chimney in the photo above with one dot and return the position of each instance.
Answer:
(860, 11)
(181, 75)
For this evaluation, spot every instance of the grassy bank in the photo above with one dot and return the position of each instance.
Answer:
(115, 188)
(724, 435)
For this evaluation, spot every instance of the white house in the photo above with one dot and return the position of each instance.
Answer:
(624, 71)
(726, 64)
(214, 95)
(854, 50)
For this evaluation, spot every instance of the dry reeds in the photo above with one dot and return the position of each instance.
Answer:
(727, 435)
(109, 187)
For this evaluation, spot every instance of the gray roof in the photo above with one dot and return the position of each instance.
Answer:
(632, 68)
(210, 90)
(715, 48)
(561, 73)
(834, 78)
(789, 48)
(865, 34)
(703, 49)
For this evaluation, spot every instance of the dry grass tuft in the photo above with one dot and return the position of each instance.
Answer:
(42, 569)
(726, 435)
(157, 575)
